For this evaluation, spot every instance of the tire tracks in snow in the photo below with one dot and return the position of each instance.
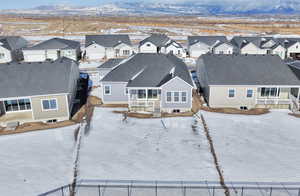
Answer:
(214, 154)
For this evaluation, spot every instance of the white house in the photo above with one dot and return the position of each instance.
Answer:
(160, 43)
(98, 47)
(292, 47)
(11, 48)
(53, 49)
(223, 48)
(199, 45)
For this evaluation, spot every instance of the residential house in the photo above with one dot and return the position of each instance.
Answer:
(258, 45)
(39, 91)
(223, 48)
(11, 48)
(98, 47)
(150, 82)
(53, 49)
(247, 81)
(160, 43)
(292, 47)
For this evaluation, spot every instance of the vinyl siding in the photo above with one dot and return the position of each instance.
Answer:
(148, 49)
(117, 95)
(62, 113)
(178, 85)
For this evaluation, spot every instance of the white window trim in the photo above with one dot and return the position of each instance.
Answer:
(247, 93)
(104, 92)
(167, 97)
(7, 112)
(46, 110)
(229, 91)
(185, 96)
(173, 97)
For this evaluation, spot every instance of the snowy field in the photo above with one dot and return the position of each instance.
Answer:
(144, 150)
(257, 148)
(249, 148)
(36, 162)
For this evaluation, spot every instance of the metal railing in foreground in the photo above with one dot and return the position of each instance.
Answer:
(177, 188)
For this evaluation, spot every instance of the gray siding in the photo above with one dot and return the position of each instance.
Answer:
(117, 93)
(177, 85)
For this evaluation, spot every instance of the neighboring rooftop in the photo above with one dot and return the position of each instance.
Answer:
(246, 70)
(41, 78)
(209, 40)
(157, 39)
(107, 41)
(111, 63)
(55, 43)
(12, 42)
(149, 70)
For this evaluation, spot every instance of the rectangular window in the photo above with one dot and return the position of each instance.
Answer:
(2, 55)
(270, 92)
(17, 105)
(142, 94)
(49, 104)
(126, 52)
(169, 97)
(249, 93)
(107, 90)
(231, 93)
(183, 97)
(176, 97)
(152, 94)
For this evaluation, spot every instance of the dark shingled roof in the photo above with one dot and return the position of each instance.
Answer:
(288, 42)
(107, 41)
(55, 43)
(111, 63)
(157, 39)
(149, 70)
(240, 41)
(29, 79)
(209, 40)
(12, 42)
(246, 70)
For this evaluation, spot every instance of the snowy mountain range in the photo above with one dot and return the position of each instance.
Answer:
(192, 7)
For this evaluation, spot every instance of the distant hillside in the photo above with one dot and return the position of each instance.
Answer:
(192, 7)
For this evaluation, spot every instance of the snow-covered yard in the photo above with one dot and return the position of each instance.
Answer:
(257, 148)
(36, 162)
(144, 150)
(249, 148)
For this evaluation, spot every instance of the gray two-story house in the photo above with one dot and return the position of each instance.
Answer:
(150, 83)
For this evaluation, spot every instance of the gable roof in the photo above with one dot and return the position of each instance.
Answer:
(208, 40)
(41, 78)
(12, 42)
(157, 39)
(149, 70)
(241, 41)
(287, 42)
(107, 41)
(246, 70)
(55, 43)
(111, 63)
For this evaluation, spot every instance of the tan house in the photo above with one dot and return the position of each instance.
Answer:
(248, 81)
(31, 92)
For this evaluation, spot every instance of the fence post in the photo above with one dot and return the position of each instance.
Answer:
(242, 192)
(213, 191)
(155, 188)
(99, 190)
(271, 190)
(62, 191)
